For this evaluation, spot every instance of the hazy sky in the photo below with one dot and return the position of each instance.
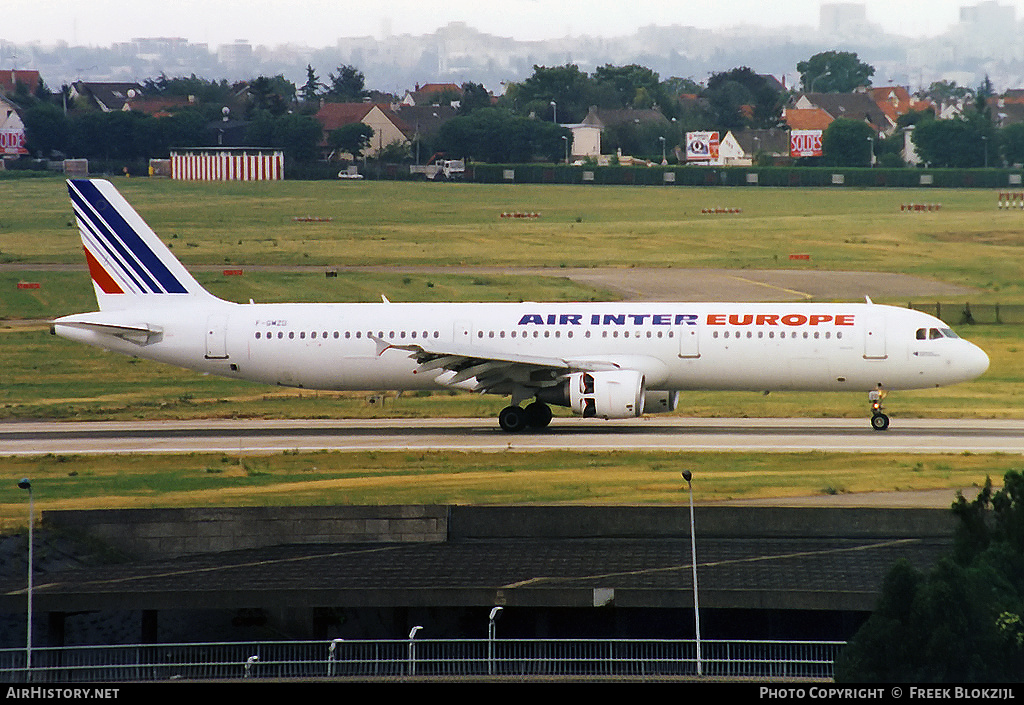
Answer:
(321, 22)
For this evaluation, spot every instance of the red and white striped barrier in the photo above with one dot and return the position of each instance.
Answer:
(227, 166)
(712, 211)
(1011, 199)
(919, 207)
(520, 215)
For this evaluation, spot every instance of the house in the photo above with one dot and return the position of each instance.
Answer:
(425, 120)
(742, 148)
(1007, 113)
(433, 93)
(9, 80)
(895, 101)
(388, 128)
(854, 106)
(603, 118)
(160, 106)
(1013, 95)
(106, 96)
(586, 141)
(12, 130)
(806, 118)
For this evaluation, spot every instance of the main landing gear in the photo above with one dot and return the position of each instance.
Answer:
(515, 418)
(879, 421)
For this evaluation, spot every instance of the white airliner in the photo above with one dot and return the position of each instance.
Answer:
(607, 360)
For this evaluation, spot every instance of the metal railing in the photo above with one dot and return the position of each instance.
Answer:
(402, 658)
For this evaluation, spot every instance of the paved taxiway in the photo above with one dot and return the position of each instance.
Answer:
(673, 433)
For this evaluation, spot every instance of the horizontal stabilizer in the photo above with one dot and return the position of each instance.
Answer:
(139, 333)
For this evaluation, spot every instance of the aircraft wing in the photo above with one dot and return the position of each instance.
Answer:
(493, 371)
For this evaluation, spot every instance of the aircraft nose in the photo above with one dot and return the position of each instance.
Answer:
(975, 361)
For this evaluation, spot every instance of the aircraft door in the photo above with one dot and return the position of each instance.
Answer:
(874, 338)
(216, 337)
(689, 341)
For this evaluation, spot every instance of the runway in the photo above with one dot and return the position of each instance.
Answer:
(252, 437)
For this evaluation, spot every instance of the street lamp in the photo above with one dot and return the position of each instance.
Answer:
(24, 484)
(566, 139)
(687, 475)
(664, 161)
(491, 633)
(554, 112)
(871, 146)
(412, 650)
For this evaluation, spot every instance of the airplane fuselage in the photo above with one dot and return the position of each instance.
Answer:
(677, 346)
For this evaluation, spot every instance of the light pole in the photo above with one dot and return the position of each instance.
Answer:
(871, 146)
(491, 633)
(664, 161)
(24, 484)
(554, 112)
(687, 475)
(412, 650)
(566, 139)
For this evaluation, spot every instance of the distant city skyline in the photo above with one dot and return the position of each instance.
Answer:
(322, 22)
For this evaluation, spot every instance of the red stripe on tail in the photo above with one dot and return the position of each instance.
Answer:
(100, 275)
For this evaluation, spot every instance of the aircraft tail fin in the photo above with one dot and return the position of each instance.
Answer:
(129, 265)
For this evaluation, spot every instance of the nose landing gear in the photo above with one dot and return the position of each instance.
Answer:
(879, 421)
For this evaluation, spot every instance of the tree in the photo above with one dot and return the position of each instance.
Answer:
(962, 621)
(959, 143)
(272, 95)
(474, 97)
(566, 86)
(729, 93)
(848, 142)
(348, 86)
(495, 135)
(944, 92)
(1012, 139)
(310, 90)
(298, 135)
(47, 129)
(353, 138)
(630, 86)
(834, 72)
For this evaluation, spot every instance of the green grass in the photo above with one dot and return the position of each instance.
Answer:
(63, 482)
(969, 241)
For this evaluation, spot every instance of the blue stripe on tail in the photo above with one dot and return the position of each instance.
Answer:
(115, 233)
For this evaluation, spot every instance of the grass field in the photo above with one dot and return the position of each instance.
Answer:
(469, 478)
(968, 242)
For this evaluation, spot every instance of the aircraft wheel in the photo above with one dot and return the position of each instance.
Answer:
(512, 419)
(538, 414)
(879, 422)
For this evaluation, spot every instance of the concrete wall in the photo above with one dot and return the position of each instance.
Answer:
(716, 522)
(161, 533)
(165, 533)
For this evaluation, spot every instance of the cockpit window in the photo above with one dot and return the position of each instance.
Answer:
(934, 333)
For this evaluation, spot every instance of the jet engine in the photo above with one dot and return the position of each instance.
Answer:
(617, 394)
